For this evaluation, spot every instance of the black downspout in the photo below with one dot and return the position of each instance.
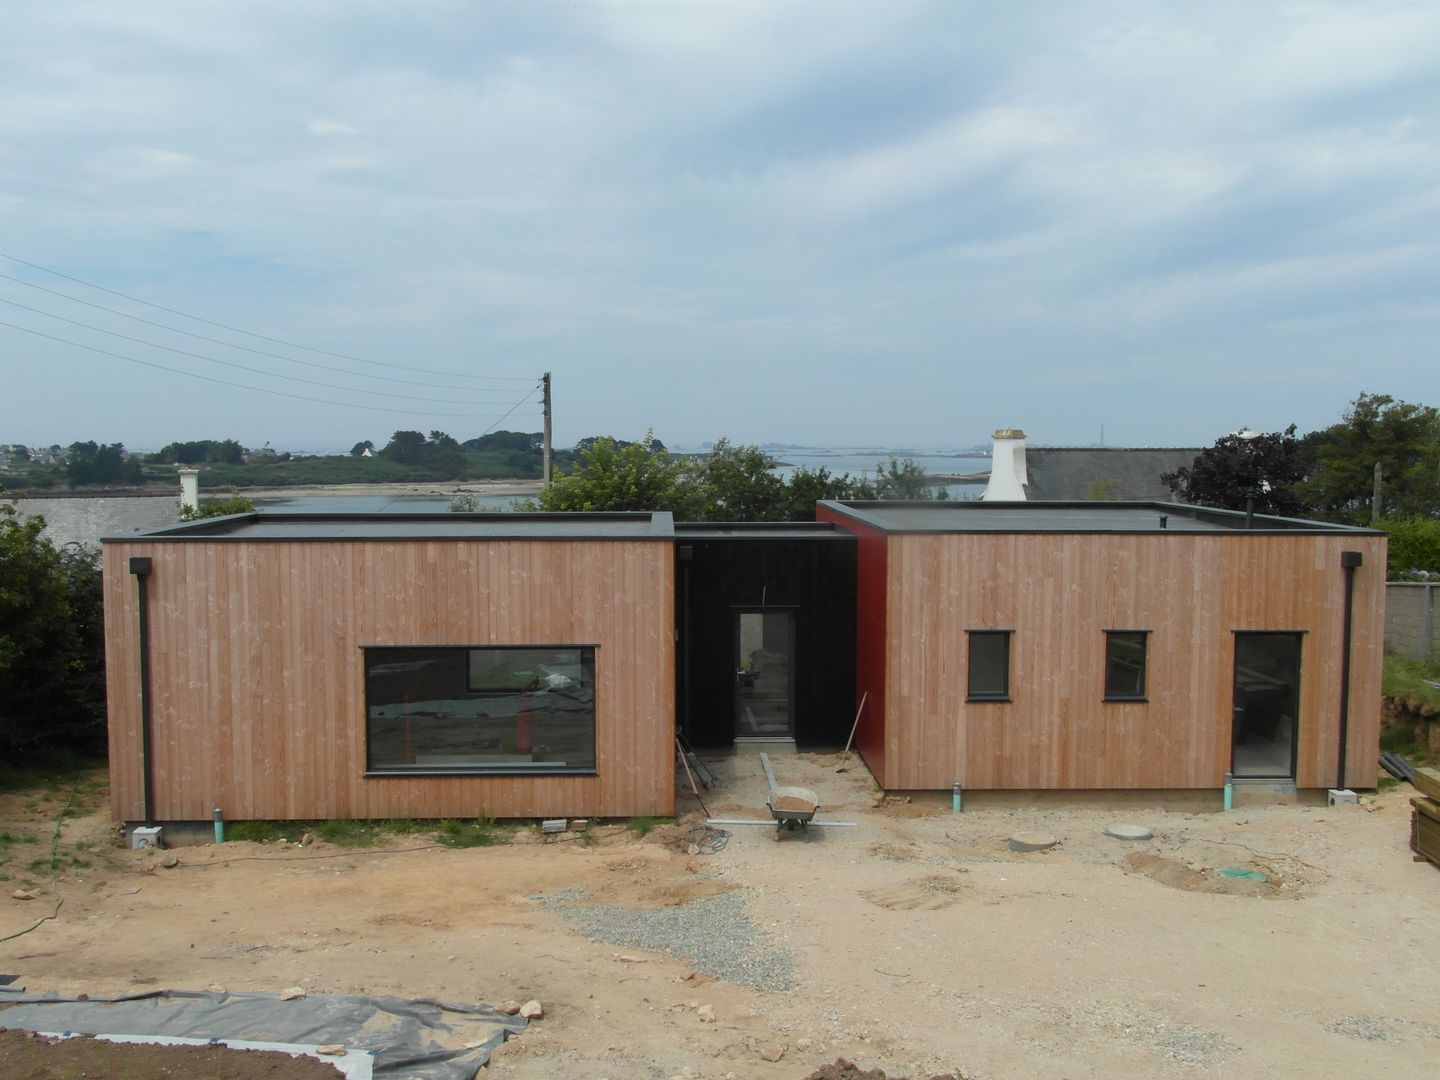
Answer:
(140, 567)
(1349, 560)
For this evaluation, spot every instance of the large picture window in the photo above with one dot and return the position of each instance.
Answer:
(989, 669)
(491, 709)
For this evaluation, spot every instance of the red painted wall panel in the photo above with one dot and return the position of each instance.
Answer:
(870, 636)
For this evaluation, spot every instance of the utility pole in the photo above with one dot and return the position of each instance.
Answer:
(1375, 498)
(545, 383)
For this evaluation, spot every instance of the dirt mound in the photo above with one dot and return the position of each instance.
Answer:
(1252, 878)
(848, 1070)
(37, 1057)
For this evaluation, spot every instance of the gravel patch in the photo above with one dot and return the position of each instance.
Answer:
(715, 934)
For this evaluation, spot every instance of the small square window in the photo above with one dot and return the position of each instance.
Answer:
(989, 668)
(1125, 665)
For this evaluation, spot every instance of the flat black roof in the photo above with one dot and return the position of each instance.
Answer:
(760, 530)
(973, 516)
(270, 525)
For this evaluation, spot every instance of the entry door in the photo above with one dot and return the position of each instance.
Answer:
(1266, 704)
(765, 674)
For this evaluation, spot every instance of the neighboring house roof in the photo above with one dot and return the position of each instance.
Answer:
(1063, 473)
(84, 519)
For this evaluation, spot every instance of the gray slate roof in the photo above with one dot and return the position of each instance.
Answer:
(1064, 473)
(85, 519)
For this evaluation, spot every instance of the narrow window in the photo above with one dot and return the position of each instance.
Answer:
(989, 670)
(1125, 665)
(497, 709)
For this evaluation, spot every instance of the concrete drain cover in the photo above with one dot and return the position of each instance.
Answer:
(1129, 832)
(1032, 841)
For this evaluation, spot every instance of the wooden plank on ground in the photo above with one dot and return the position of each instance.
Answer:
(1429, 807)
(1427, 782)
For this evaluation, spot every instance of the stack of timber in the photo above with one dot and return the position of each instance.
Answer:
(1425, 816)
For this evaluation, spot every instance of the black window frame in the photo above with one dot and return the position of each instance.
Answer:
(986, 695)
(1131, 695)
(589, 658)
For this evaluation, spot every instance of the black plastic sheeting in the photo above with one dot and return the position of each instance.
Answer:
(411, 1040)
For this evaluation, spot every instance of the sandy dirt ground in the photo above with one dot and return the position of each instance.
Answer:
(920, 943)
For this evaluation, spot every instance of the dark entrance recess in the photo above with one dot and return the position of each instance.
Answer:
(765, 674)
(1267, 702)
(765, 632)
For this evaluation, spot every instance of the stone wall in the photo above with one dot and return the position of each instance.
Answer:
(1411, 618)
(87, 519)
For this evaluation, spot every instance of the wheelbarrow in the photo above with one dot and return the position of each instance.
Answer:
(791, 807)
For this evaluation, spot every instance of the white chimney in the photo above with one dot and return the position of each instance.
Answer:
(1007, 468)
(189, 490)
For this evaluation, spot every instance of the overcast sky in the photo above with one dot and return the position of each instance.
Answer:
(840, 223)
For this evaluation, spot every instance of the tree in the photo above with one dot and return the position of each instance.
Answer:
(103, 463)
(200, 451)
(514, 441)
(52, 655)
(1403, 439)
(806, 487)
(1414, 546)
(622, 476)
(358, 450)
(1267, 468)
(739, 484)
(406, 447)
(231, 504)
(732, 483)
(907, 479)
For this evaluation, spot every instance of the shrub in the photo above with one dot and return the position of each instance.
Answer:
(1414, 545)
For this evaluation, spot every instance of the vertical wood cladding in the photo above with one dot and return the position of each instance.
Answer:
(812, 576)
(258, 670)
(1059, 593)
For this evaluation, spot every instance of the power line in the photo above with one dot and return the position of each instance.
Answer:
(249, 333)
(242, 367)
(226, 382)
(220, 341)
(502, 419)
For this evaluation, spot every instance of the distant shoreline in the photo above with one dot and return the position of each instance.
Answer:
(518, 488)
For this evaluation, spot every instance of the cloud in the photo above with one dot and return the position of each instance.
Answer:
(905, 218)
(331, 127)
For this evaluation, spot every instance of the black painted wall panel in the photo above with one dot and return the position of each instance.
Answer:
(813, 576)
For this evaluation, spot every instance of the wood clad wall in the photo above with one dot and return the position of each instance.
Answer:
(1059, 593)
(258, 670)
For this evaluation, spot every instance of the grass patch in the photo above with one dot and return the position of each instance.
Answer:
(256, 832)
(54, 773)
(1405, 678)
(1400, 739)
(346, 833)
(1387, 783)
(404, 826)
(643, 826)
(482, 832)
